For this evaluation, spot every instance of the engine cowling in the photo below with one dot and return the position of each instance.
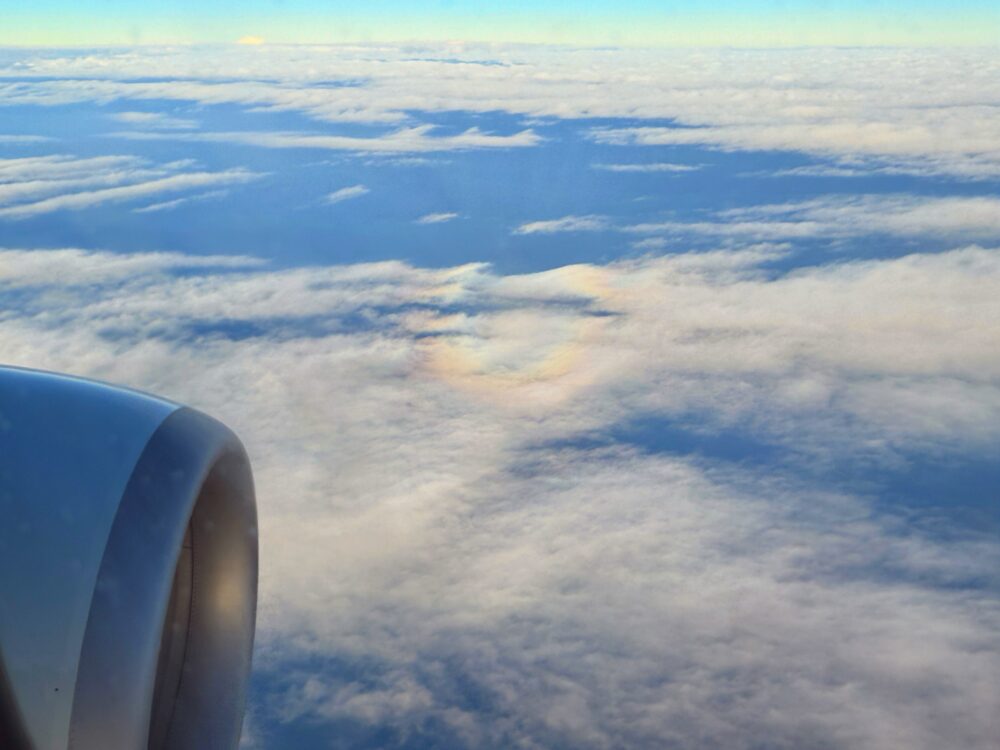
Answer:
(128, 570)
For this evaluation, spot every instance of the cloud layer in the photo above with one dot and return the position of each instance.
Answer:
(451, 558)
(858, 108)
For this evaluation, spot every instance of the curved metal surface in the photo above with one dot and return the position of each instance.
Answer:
(193, 477)
(12, 733)
(68, 448)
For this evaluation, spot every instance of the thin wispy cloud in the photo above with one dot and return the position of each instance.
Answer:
(154, 120)
(564, 224)
(76, 201)
(647, 167)
(439, 218)
(19, 140)
(346, 194)
(178, 202)
(840, 216)
(408, 140)
(651, 243)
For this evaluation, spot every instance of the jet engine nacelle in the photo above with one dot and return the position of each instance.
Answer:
(128, 570)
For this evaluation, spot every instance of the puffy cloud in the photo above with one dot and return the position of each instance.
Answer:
(456, 548)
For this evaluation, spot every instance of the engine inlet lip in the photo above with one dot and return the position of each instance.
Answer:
(192, 482)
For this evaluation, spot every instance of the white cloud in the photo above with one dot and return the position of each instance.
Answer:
(403, 161)
(346, 193)
(838, 216)
(60, 166)
(444, 526)
(178, 202)
(88, 198)
(74, 267)
(22, 140)
(438, 218)
(564, 224)
(35, 185)
(154, 120)
(651, 243)
(868, 113)
(647, 167)
(407, 140)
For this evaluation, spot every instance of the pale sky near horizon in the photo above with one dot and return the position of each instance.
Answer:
(598, 22)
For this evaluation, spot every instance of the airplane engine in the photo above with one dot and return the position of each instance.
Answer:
(128, 570)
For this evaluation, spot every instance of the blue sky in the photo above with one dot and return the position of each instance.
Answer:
(596, 397)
